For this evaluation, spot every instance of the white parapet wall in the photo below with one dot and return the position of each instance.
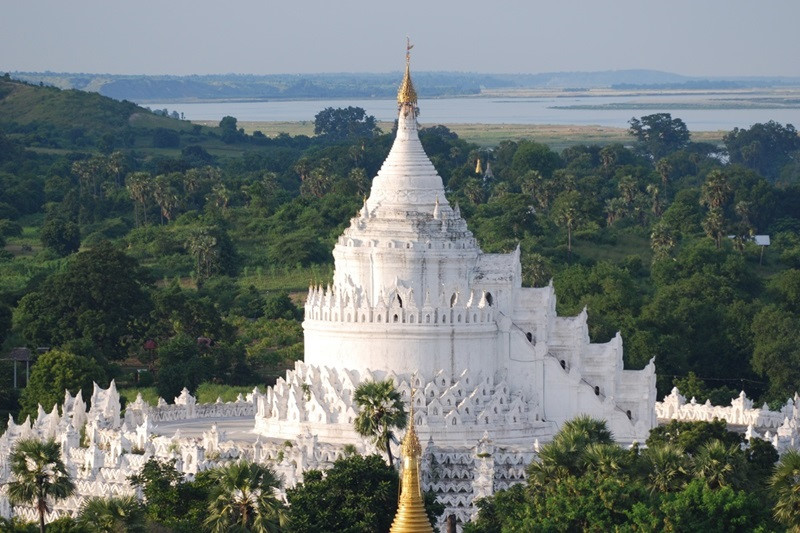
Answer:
(777, 427)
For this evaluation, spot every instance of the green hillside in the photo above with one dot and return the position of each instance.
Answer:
(48, 117)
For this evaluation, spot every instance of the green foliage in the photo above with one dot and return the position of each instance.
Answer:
(99, 297)
(210, 392)
(5, 322)
(660, 134)
(170, 501)
(534, 156)
(344, 123)
(584, 482)
(785, 486)
(55, 372)
(39, 475)
(776, 355)
(701, 508)
(380, 411)
(166, 138)
(692, 436)
(112, 515)
(358, 494)
(243, 497)
(766, 148)
(181, 363)
(278, 305)
(60, 235)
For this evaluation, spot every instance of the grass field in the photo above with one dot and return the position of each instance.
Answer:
(557, 137)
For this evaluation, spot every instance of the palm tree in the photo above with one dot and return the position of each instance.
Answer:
(113, 515)
(606, 460)
(662, 241)
(716, 190)
(666, 466)
(785, 485)
(380, 410)
(720, 465)
(664, 169)
(243, 498)
(654, 192)
(581, 443)
(203, 246)
(567, 213)
(592, 430)
(39, 475)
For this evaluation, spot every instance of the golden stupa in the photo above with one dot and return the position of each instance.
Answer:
(406, 94)
(411, 516)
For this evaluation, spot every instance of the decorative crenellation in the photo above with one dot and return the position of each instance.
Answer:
(778, 427)
(313, 396)
(398, 306)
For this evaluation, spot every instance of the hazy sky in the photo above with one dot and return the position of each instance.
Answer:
(693, 37)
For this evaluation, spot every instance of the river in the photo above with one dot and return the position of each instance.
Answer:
(489, 110)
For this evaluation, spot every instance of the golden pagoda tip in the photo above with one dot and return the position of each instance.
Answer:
(406, 94)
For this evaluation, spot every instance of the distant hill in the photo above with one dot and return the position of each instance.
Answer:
(60, 118)
(141, 88)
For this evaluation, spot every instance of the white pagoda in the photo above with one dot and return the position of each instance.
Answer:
(415, 299)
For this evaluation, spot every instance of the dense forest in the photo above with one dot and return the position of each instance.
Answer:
(166, 254)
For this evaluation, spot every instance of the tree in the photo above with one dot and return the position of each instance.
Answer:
(720, 465)
(766, 148)
(181, 365)
(139, 185)
(165, 196)
(659, 134)
(380, 410)
(358, 494)
(170, 500)
(112, 515)
(166, 138)
(243, 497)
(60, 235)
(229, 134)
(662, 241)
(664, 169)
(5, 322)
(667, 468)
(39, 475)
(776, 354)
(700, 508)
(692, 436)
(534, 156)
(55, 372)
(99, 297)
(568, 214)
(279, 305)
(716, 190)
(344, 123)
(785, 486)
(565, 455)
(213, 251)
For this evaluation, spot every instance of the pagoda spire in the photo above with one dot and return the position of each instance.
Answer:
(411, 516)
(406, 94)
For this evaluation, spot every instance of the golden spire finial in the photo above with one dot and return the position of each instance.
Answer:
(407, 94)
(411, 516)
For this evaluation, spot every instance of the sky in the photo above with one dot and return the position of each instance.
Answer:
(180, 37)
